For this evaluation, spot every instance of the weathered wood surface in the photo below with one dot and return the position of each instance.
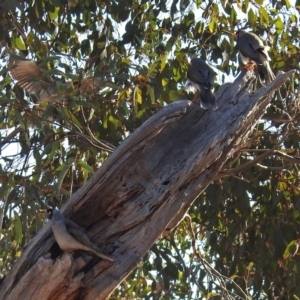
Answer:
(144, 187)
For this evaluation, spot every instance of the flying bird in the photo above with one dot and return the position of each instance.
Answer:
(254, 52)
(201, 79)
(37, 82)
(69, 235)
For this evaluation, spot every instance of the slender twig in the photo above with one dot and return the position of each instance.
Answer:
(271, 168)
(209, 268)
(10, 136)
(245, 166)
(283, 155)
(258, 159)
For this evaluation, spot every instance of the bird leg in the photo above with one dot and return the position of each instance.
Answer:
(196, 98)
(249, 66)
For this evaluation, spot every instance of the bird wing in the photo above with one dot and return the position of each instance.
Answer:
(28, 74)
(77, 233)
(202, 78)
(252, 48)
(90, 84)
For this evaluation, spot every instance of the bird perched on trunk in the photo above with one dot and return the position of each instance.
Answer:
(201, 79)
(69, 235)
(253, 51)
(37, 82)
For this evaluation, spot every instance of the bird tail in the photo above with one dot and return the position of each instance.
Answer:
(97, 251)
(207, 99)
(266, 75)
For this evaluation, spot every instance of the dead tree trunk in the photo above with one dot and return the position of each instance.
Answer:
(144, 187)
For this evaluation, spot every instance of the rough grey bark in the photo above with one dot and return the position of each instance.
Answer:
(144, 187)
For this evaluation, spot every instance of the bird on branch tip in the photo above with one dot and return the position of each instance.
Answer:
(69, 236)
(201, 79)
(254, 52)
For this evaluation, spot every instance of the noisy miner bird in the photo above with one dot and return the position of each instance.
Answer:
(253, 51)
(201, 79)
(36, 82)
(69, 235)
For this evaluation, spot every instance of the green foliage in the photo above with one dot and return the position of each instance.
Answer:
(246, 226)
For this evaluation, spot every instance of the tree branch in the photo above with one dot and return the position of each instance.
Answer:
(147, 184)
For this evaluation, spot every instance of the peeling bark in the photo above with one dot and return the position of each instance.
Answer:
(144, 187)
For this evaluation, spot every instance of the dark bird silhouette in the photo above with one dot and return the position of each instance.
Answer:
(201, 79)
(253, 51)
